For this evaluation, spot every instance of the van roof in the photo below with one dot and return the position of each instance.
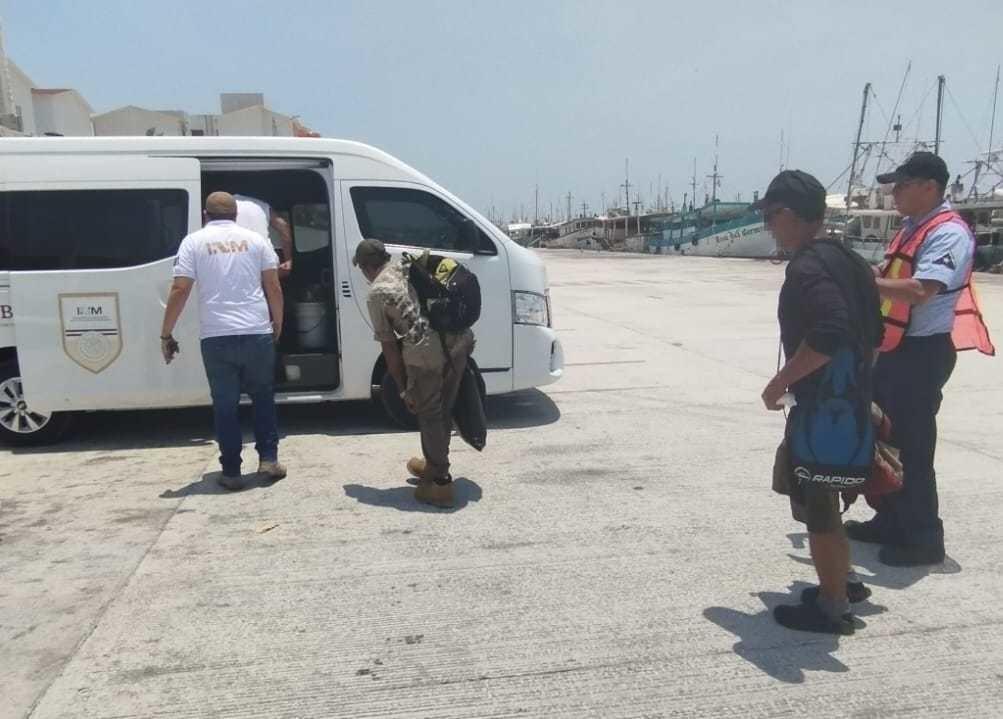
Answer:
(229, 146)
(236, 146)
(219, 146)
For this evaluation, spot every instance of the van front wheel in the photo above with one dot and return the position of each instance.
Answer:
(19, 424)
(394, 406)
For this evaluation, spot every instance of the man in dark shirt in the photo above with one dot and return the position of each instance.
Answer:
(828, 312)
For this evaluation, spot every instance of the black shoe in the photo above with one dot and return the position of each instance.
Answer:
(856, 592)
(809, 618)
(869, 531)
(911, 555)
(231, 484)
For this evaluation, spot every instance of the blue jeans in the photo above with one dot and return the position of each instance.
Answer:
(242, 364)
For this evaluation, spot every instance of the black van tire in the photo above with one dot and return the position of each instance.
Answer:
(51, 431)
(394, 406)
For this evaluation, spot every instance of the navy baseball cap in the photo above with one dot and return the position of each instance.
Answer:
(919, 166)
(797, 190)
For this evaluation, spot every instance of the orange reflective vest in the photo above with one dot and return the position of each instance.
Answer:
(970, 331)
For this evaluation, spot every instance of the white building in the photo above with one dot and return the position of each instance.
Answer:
(44, 111)
(241, 114)
(61, 112)
(132, 120)
(255, 120)
(26, 109)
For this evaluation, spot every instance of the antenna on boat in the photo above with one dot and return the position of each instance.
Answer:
(714, 177)
(992, 122)
(856, 145)
(626, 183)
(693, 184)
(941, 81)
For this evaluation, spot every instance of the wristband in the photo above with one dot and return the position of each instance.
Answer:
(168, 337)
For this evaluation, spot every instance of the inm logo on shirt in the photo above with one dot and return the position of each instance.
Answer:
(228, 247)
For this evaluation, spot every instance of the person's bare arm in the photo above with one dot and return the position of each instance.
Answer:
(181, 288)
(803, 363)
(281, 227)
(273, 294)
(176, 299)
(395, 363)
(911, 291)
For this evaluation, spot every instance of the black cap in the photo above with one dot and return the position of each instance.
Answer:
(919, 166)
(370, 252)
(798, 191)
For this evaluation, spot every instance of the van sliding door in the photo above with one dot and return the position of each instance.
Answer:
(90, 274)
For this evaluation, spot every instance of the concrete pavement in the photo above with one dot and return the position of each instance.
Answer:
(616, 551)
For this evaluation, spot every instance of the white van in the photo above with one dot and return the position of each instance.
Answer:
(88, 233)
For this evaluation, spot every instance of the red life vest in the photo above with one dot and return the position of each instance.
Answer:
(970, 331)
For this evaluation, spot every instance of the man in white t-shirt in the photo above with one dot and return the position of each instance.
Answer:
(240, 315)
(257, 215)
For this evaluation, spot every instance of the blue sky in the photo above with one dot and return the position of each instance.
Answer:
(493, 98)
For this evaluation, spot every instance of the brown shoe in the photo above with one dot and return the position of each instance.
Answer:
(416, 466)
(437, 495)
(271, 471)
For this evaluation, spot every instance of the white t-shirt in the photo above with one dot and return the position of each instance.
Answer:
(254, 214)
(226, 261)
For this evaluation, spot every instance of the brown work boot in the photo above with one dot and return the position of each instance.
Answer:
(435, 494)
(271, 471)
(416, 467)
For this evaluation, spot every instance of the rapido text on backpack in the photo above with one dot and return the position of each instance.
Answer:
(449, 293)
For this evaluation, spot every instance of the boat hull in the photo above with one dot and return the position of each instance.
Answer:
(750, 240)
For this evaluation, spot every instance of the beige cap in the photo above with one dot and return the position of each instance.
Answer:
(370, 252)
(220, 204)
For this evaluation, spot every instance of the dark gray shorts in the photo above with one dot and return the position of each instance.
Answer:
(817, 507)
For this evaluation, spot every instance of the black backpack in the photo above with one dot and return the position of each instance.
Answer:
(854, 277)
(448, 293)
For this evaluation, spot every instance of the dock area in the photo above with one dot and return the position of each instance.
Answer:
(616, 551)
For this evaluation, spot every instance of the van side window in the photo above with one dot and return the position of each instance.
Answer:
(90, 229)
(402, 216)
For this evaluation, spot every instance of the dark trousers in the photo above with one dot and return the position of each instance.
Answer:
(908, 384)
(434, 390)
(242, 364)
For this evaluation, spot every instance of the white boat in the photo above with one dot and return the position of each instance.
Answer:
(717, 230)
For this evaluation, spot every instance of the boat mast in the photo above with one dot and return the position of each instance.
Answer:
(992, 122)
(693, 184)
(715, 180)
(856, 145)
(941, 80)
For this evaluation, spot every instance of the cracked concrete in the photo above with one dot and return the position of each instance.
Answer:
(616, 551)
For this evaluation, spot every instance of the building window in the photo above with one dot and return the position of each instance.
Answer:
(90, 229)
(400, 216)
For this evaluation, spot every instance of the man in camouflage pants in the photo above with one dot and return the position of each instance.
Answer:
(428, 364)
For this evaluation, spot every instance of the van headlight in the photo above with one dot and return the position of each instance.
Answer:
(530, 308)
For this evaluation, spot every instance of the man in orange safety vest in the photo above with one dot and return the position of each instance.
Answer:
(930, 312)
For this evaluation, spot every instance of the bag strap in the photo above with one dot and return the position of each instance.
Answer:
(848, 297)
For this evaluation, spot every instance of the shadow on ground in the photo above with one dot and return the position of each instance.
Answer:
(782, 653)
(208, 484)
(192, 427)
(519, 410)
(875, 573)
(402, 498)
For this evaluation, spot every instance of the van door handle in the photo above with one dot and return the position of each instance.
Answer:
(326, 278)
